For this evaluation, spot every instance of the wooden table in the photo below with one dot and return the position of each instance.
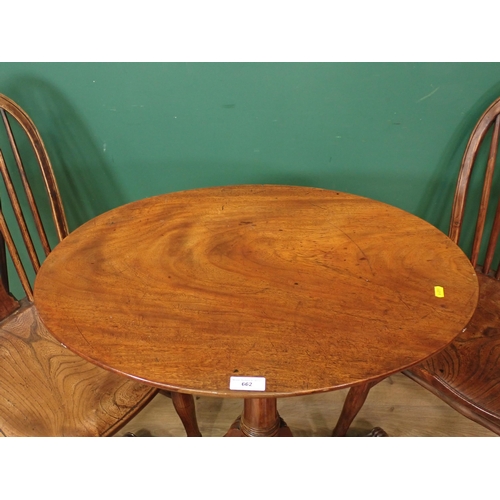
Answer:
(313, 290)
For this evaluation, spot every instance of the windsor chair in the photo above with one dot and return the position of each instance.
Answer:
(45, 389)
(466, 373)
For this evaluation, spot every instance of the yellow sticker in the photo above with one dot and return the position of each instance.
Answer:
(439, 291)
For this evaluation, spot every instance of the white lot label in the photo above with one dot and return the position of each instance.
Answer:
(247, 383)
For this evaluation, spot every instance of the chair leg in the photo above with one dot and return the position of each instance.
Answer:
(353, 403)
(185, 407)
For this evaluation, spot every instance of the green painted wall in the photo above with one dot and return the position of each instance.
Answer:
(118, 132)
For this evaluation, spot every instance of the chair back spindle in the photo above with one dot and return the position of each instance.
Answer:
(11, 111)
(489, 120)
(26, 185)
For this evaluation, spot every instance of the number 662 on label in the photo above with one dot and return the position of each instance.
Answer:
(247, 383)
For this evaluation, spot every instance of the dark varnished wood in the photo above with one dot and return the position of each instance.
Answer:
(8, 304)
(260, 418)
(312, 289)
(46, 389)
(186, 409)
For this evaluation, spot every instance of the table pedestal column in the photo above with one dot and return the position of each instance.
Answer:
(260, 419)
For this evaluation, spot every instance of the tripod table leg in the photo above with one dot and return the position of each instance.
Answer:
(185, 407)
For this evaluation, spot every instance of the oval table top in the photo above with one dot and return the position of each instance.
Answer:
(313, 289)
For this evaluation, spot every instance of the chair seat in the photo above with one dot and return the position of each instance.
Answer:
(466, 373)
(46, 390)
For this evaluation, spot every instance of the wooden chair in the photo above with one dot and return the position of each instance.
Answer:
(466, 374)
(45, 389)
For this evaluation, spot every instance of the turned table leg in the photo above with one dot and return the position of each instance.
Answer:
(260, 419)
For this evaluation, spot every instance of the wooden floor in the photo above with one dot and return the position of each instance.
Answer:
(398, 405)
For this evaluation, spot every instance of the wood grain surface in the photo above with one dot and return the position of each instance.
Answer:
(312, 289)
(46, 390)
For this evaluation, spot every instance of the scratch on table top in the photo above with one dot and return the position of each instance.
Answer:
(401, 300)
(253, 292)
(80, 332)
(359, 248)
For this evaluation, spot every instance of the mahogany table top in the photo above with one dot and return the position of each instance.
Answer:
(312, 289)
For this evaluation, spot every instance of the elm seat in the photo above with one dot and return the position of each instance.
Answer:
(46, 390)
